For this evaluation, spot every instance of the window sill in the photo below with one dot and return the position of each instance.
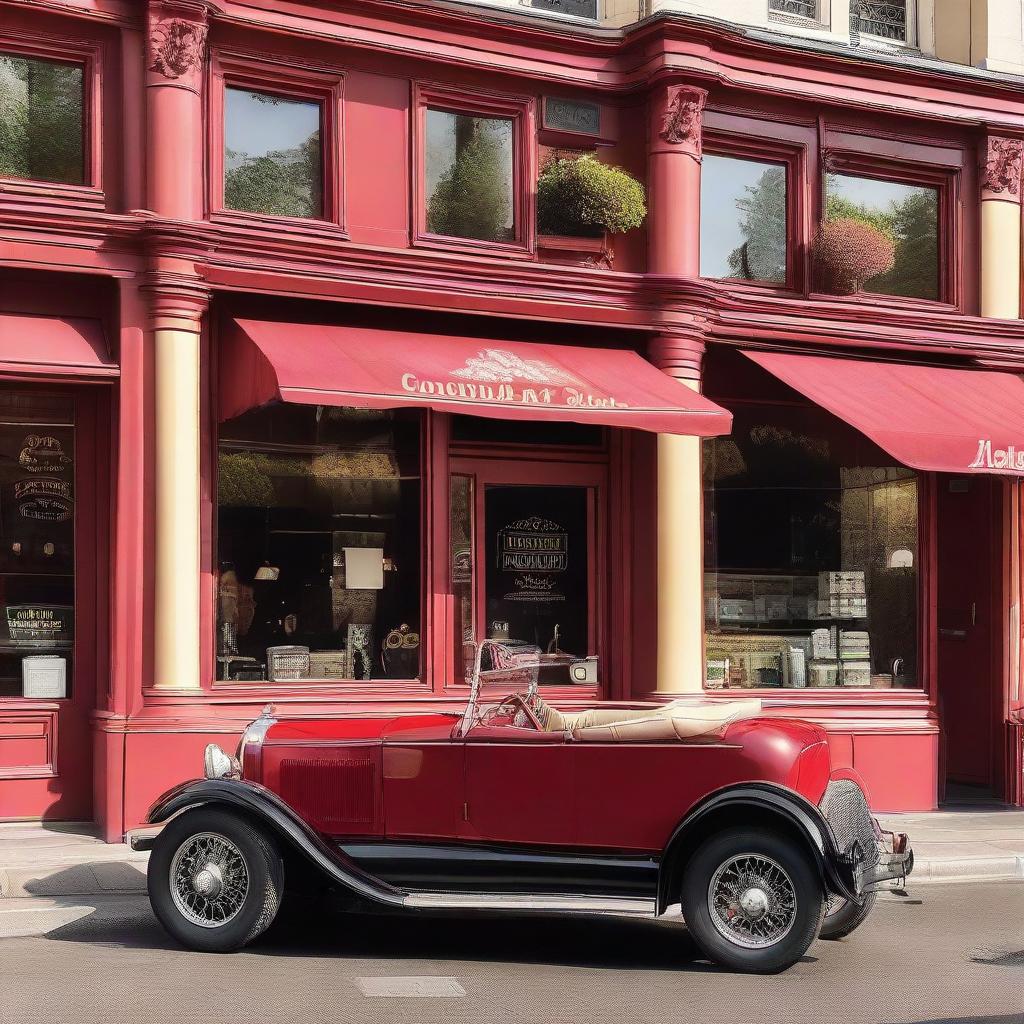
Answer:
(312, 227)
(53, 194)
(476, 247)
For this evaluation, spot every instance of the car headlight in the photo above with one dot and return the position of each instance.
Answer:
(219, 765)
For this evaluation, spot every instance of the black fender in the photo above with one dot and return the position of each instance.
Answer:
(761, 802)
(266, 808)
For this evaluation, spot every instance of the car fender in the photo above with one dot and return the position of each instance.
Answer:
(266, 808)
(764, 802)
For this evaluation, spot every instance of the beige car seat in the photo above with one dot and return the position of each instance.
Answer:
(678, 720)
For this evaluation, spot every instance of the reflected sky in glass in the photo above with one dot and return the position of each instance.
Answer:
(256, 124)
(872, 192)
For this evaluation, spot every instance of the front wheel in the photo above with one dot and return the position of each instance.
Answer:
(843, 917)
(752, 900)
(215, 881)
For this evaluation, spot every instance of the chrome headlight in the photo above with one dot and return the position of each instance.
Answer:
(219, 765)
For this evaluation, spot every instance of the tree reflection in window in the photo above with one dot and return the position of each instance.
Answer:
(907, 214)
(743, 219)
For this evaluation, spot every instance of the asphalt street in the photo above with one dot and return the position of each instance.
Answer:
(945, 952)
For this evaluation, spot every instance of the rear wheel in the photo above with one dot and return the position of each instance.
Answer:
(752, 900)
(215, 881)
(843, 917)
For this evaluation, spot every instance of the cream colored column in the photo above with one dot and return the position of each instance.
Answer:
(176, 635)
(680, 565)
(1001, 228)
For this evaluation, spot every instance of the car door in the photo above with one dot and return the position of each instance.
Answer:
(519, 787)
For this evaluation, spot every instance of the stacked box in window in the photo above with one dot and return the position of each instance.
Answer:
(842, 595)
(855, 657)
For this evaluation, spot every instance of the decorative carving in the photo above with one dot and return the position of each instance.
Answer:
(681, 122)
(1002, 169)
(176, 47)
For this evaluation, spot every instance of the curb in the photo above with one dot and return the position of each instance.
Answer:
(973, 869)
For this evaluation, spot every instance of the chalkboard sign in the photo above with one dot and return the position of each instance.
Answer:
(40, 625)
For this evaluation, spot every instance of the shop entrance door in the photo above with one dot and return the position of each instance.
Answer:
(970, 635)
(50, 551)
(527, 562)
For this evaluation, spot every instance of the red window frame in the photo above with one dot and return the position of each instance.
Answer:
(906, 163)
(521, 110)
(793, 156)
(321, 85)
(87, 54)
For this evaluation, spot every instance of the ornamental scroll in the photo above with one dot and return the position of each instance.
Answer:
(177, 49)
(1001, 169)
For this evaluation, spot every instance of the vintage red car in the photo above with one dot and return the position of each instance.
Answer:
(515, 806)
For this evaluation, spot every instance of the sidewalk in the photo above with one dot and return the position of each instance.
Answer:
(67, 859)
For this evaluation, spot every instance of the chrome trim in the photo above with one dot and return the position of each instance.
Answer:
(140, 839)
(256, 731)
(553, 902)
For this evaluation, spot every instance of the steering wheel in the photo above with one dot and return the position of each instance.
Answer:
(511, 706)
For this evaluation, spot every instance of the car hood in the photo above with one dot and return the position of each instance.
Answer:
(333, 730)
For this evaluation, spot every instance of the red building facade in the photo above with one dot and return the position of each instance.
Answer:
(214, 499)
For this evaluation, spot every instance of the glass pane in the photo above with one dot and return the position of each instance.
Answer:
(37, 546)
(908, 215)
(885, 18)
(796, 8)
(468, 167)
(461, 519)
(823, 593)
(538, 554)
(41, 125)
(743, 219)
(272, 160)
(319, 545)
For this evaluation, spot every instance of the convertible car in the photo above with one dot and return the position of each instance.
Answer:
(514, 806)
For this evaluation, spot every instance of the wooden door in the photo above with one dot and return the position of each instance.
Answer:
(52, 595)
(969, 625)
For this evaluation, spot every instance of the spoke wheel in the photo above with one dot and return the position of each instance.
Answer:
(752, 901)
(209, 880)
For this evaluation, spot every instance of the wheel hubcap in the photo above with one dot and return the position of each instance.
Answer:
(752, 901)
(209, 880)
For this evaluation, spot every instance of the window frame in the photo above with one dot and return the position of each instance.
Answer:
(910, 41)
(521, 110)
(88, 55)
(793, 155)
(945, 179)
(320, 84)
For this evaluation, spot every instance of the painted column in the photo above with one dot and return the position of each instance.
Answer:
(674, 157)
(1001, 228)
(176, 34)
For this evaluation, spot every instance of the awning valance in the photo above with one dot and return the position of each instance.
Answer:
(935, 418)
(316, 364)
(54, 345)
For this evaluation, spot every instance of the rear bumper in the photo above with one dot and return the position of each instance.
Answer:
(895, 862)
(142, 839)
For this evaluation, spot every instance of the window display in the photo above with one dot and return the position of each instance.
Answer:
(319, 545)
(824, 591)
(37, 548)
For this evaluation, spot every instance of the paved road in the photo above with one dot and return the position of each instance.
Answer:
(946, 953)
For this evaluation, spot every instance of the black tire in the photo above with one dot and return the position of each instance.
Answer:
(843, 917)
(799, 883)
(233, 838)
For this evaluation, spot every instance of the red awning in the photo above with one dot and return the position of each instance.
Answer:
(54, 345)
(928, 417)
(314, 364)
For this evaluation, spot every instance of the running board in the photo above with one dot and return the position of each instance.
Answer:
(555, 903)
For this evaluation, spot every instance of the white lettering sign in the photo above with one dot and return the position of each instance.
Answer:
(997, 458)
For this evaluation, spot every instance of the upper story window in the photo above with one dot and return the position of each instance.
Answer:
(272, 154)
(885, 19)
(794, 8)
(577, 8)
(469, 176)
(42, 120)
(743, 219)
(907, 215)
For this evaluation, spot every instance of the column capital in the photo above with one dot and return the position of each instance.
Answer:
(177, 302)
(176, 33)
(677, 119)
(1001, 164)
(680, 356)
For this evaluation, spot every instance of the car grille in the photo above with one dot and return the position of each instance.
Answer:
(846, 811)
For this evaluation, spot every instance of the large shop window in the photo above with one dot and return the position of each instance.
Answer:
(319, 545)
(743, 219)
(37, 547)
(272, 156)
(811, 555)
(41, 120)
(907, 215)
